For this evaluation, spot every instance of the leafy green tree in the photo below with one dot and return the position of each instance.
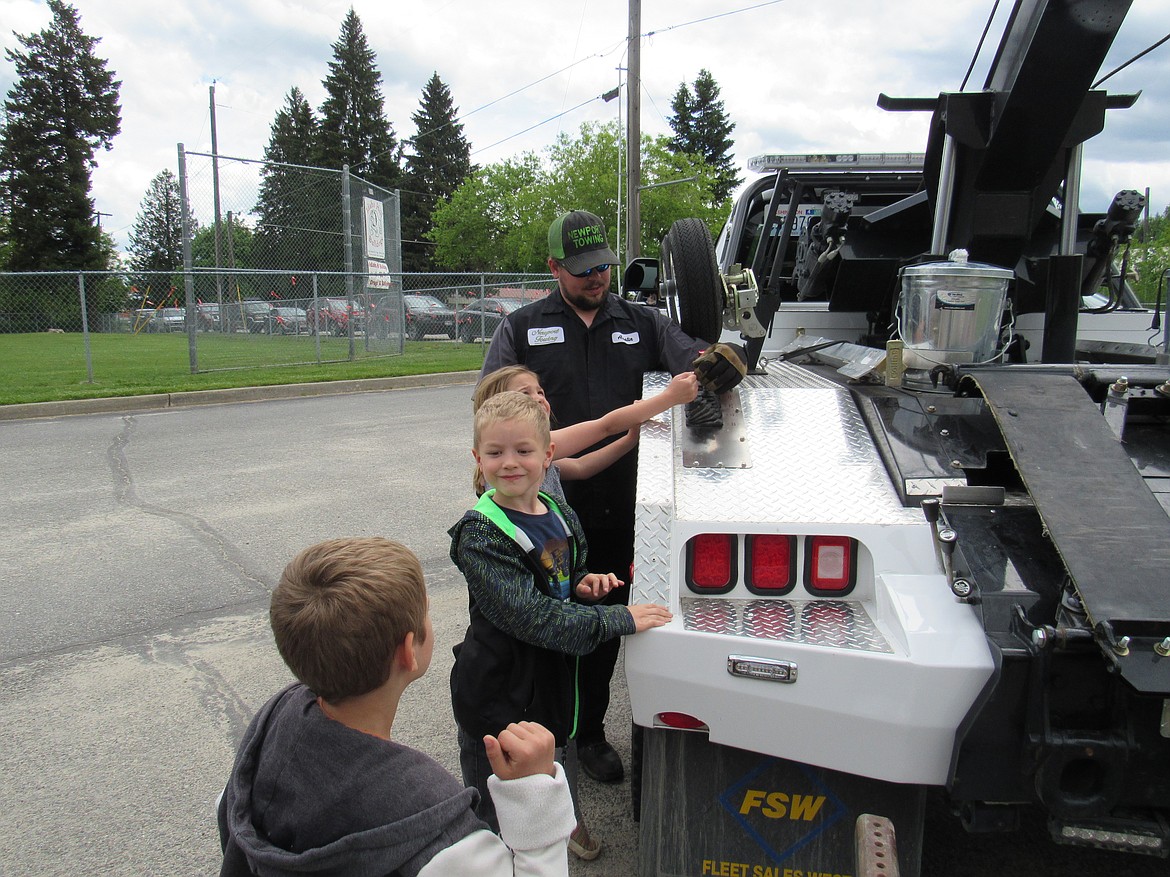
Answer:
(438, 162)
(354, 129)
(241, 246)
(498, 219)
(298, 209)
(485, 225)
(1150, 258)
(702, 127)
(62, 107)
(156, 239)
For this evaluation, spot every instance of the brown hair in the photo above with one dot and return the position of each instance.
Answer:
(497, 382)
(511, 405)
(341, 609)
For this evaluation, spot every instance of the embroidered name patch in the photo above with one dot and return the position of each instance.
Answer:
(619, 338)
(548, 335)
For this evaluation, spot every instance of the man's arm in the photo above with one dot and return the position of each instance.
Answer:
(678, 349)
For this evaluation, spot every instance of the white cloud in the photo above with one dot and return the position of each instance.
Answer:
(795, 75)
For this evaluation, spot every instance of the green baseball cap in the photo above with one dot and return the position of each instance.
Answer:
(577, 240)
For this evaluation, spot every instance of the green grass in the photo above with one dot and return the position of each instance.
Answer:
(46, 367)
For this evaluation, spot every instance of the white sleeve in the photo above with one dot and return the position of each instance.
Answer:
(536, 819)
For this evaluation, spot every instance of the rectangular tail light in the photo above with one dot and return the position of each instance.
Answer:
(712, 563)
(770, 564)
(830, 565)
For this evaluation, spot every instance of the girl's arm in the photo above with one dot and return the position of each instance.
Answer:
(571, 439)
(579, 468)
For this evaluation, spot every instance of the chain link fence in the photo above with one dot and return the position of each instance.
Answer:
(283, 265)
(252, 319)
(245, 213)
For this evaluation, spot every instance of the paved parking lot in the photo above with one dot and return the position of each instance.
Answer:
(137, 554)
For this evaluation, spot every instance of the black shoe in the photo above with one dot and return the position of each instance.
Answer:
(601, 762)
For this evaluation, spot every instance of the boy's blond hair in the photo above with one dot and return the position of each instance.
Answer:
(511, 405)
(492, 385)
(342, 608)
(497, 382)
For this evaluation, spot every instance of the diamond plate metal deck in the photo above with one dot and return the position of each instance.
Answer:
(812, 461)
(840, 624)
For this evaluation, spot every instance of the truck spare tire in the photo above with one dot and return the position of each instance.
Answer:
(691, 282)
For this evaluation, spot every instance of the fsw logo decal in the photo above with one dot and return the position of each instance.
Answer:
(750, 800)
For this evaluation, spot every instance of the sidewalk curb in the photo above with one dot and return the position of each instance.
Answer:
(157, 401)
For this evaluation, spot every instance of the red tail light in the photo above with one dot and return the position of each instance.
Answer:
(681, 720)
(770, 564)
(712, 563)
(830, 566)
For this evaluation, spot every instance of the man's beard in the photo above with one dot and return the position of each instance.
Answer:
(583, 303)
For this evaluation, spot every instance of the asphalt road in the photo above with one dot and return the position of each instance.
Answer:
(137, 554)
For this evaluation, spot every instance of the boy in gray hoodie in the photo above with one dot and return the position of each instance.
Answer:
(319, 785)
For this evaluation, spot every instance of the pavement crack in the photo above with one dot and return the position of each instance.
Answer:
(126, 493)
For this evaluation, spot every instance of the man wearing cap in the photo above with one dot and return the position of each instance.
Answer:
(590, 349)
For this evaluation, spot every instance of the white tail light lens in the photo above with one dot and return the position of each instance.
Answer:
(830, 567)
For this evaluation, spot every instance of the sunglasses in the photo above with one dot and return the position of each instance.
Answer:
(586, 273)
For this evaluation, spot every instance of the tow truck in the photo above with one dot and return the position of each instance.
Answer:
(925, 544)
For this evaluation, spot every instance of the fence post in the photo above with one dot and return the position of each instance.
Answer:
(347, 235)
(317, 319)
(482, 313)
(85, 327)
(188, 278)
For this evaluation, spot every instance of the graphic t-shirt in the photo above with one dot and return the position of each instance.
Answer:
(552, 545)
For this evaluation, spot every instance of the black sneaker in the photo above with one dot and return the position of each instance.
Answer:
(601, 762)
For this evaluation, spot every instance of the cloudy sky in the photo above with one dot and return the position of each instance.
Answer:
(796, 75)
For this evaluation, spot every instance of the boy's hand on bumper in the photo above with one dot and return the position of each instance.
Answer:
(648, 615)
(523, 749)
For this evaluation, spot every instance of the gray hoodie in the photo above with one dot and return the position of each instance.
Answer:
(310, 795)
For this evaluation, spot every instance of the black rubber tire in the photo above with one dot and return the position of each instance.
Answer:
(694, 291)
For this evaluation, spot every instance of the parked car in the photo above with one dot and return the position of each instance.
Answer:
(249, 315)
(208, 318)
(426, 315)
(334, 315)
(160, 319)
(480, 319)
(287, 321)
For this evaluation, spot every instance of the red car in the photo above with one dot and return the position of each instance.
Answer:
(334, 315)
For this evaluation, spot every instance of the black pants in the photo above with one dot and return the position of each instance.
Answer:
(610, 551)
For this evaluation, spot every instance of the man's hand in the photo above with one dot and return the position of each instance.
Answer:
(721, 367)
(595, 585)
(648, 615)
(523, 749)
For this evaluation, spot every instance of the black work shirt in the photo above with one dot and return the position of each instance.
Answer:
(586, 372)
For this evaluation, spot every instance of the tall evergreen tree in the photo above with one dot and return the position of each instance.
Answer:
(156, 240)
(354, 129)
(702, 127)
(62, 107)
(298, 208)
(439, 161)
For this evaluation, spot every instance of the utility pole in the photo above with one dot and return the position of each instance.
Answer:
(215, 195)
(634, 135)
